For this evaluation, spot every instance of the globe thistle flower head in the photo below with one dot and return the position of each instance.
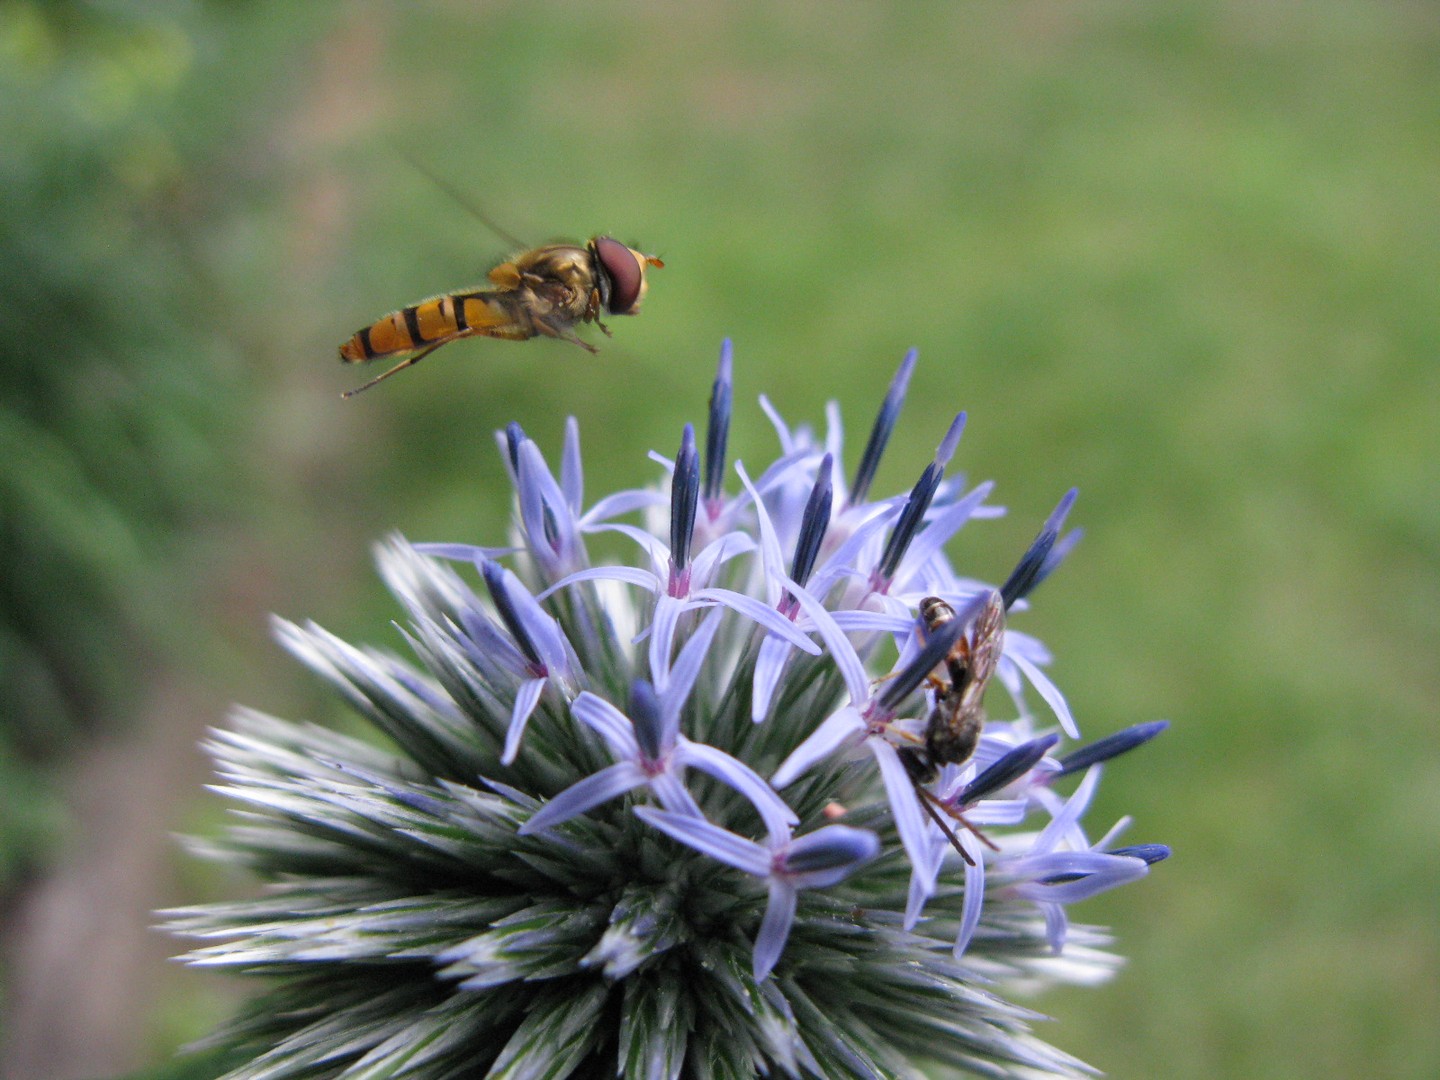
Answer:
(674, 816)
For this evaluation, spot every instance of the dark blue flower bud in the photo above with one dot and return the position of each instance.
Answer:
(1110, 746)
(1010, 767)
(913, 514)
(646, 714)
(880, 432)
(514, 436)
(1035, 565)
(1151, 853)
(494, 575)
(908, 678)
(684, 497)
(718, 433)
(814, 523)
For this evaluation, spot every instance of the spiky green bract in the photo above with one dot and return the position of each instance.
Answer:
(416, 923)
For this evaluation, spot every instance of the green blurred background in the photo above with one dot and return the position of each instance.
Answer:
(1184, 256)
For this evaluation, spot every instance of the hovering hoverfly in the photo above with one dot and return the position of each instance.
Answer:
(546, 291)
(957, 718)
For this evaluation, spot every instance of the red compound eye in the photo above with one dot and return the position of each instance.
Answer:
(625, 273)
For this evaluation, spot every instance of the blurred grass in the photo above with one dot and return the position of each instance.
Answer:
(1182, 256)
(112, 432)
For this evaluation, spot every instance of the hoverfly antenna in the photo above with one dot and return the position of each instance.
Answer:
(465, 203)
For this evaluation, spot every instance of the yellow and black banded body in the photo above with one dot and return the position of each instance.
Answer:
(547, 291)
(435, 322)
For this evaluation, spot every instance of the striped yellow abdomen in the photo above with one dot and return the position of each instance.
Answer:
(431, 322)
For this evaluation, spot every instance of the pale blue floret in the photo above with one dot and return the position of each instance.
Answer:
(968, 788)
(539, 637)
(866, 715)
(550, 516)
(650, 752)
(816, 860)
(793, 601)
(866, 720)
(1062, 868)
(680, 583)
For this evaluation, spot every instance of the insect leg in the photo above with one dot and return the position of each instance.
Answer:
(925, 797)
(592, 312)
(401, 366)
(550, 330)
(930, 798)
